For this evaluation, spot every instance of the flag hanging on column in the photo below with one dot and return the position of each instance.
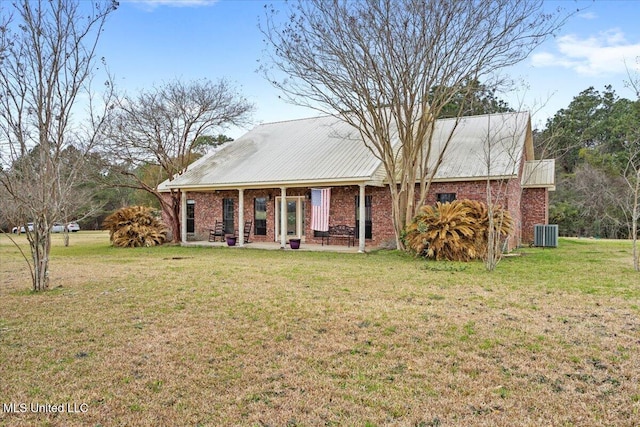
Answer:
(320, 198)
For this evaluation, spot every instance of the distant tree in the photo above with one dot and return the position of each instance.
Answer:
(592, 201)
(594, 121)
(602, 198)
(206, 142)
(632, 169)
(389, 68)
(81, 202)
(155, 135)
(631, 176)
(594, 138)
(151, 174)
(475, 99)
(47, 63)
(107, 194)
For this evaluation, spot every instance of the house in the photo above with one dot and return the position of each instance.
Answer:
(273, 168)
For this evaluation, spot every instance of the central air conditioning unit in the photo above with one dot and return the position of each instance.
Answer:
(545, 236)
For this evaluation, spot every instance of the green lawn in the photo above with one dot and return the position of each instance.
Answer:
(219, 336)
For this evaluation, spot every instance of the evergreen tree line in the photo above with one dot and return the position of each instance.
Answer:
(593, 140)
(596, 144)
(104, 188)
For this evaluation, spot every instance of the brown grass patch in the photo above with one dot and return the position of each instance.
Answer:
(201, 336)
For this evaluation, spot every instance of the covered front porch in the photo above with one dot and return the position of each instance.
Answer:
(274, 214)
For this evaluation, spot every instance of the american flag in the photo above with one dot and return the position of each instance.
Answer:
(320, 198)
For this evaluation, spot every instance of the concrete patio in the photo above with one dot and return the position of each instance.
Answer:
(276, 246)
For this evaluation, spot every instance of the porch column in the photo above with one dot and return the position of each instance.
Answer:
(241, 216)
(363, 222)
(283, 217)
(183, 216)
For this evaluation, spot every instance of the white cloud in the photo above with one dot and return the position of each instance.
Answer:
(588, 15)
(152, 4)
(602, 54)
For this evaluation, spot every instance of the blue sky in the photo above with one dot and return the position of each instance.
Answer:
(153, 41)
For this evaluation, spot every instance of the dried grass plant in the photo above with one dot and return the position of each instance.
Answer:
(135, 226)
(456, 231)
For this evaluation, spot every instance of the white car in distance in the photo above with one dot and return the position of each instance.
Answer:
(59, 228)
(56, 228)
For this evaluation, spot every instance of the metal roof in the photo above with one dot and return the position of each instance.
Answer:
(325, 151)
(539, 174)
(489, 145)
(321, 149)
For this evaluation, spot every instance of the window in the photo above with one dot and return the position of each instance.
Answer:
(191, 213)
(445, 197)
(227, 216)
(368, 228)
(260, 216)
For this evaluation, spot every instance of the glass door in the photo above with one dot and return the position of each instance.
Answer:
(227, 216)
(292, 219)
(295, 217)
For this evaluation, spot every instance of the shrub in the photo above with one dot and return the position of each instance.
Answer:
(456, 231)
(135, 226)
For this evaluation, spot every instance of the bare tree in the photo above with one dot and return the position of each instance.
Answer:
(632, 178)
(494, 239)
(632, 172)
(164, 127)
(501, 142)
(389, 67)
(5, 21)
(46, 66)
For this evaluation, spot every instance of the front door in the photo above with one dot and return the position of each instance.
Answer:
(295, 217)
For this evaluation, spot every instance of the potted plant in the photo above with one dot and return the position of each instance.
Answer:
(294, 243)
(231, 240)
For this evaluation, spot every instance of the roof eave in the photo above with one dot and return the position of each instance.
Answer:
(469, 178)
(550, 187)
(276, 184)
(475, 178)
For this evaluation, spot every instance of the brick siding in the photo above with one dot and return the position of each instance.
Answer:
(535, 210)
(527, 211)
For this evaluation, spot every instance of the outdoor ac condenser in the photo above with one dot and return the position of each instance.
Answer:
(545, 236)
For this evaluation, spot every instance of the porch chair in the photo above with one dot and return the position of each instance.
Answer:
(216, 231)
(247, 231)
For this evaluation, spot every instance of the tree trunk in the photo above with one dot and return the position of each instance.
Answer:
(491, 257)
(40, 242)
(176, 229)
(171, 209)
(634, 223)
(397, 211)
(398, 217)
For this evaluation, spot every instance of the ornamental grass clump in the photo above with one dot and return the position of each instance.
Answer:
(456, 231)
(135, 226)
